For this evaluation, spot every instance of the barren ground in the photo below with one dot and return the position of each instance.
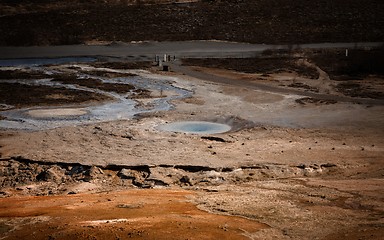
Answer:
(304, 158)
(293, 167)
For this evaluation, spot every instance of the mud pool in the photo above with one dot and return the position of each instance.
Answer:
(121, 107)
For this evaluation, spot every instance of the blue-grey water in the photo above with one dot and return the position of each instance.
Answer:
(121, 108)
(195, 127)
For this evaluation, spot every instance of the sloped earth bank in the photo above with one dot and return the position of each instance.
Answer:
(292, 167)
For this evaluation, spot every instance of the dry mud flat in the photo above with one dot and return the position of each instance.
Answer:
(288, 170)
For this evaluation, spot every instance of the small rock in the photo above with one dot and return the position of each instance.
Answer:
(129, 206)
(327, 165)
(53, 174)
(158, 177)
(128, 136)
(76, 170)
(94, 172)
(186, 180)
(127, 174)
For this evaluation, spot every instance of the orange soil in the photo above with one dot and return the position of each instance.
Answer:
(134, 214)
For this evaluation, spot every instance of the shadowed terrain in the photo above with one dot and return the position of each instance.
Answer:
(263, 21)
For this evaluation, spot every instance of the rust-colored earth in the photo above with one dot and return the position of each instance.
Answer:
(134, 214)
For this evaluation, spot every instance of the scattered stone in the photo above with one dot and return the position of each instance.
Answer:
(128, 136)
(309, 171)
(309, 100)
(129, 206)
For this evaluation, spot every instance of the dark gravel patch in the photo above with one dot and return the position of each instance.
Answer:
(308, 100)
(18, 74)
(123, 65)
(107, 74)
(358, 64)
(265, 65)
(303, 86)
(21, 95)
(121, 88)
(358, 90)
(94, 83)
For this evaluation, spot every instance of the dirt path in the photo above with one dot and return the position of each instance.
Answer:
(148, 50)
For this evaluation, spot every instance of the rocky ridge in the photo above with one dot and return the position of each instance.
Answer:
(24, 176)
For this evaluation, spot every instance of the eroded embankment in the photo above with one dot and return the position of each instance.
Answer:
(41, 178)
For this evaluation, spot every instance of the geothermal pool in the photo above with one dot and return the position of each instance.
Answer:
(195, 127)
